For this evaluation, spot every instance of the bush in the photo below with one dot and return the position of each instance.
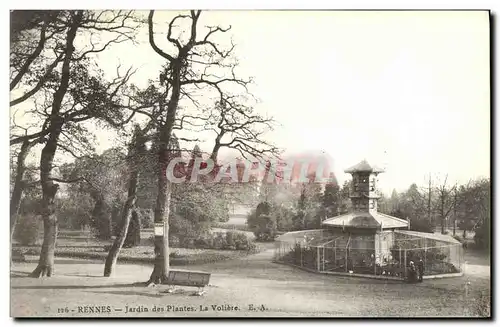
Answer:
(264, 227)
(175, 254)
(482, 236)
(421, 225)
(220, 241)
(239, 241)
(27, 229)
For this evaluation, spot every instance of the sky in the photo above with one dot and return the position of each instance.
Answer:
(408, 91)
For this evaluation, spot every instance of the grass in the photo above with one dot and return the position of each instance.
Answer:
(78, 244)
(141, 254)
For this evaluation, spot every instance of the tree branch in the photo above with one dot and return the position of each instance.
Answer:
(152, 40)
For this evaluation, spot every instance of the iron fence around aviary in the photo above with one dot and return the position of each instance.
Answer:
(387, 254)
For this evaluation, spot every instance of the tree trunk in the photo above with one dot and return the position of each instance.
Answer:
(112, 257)
(161, 242)
(134, 231)
(17, 192)
(46, 263)
(162, 208)
(49, 188)
(134, 153)
(442, 214)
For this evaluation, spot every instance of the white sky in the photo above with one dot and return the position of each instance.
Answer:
(405, 90)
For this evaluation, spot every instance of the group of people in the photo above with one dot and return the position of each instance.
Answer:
(416, 271)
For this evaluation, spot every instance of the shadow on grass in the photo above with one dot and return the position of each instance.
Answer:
(69, 261)
(69, 287)
(133, 293)
(19, 274)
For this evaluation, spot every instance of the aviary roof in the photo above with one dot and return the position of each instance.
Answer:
(362, 219)
(432, 236)
(364, 166)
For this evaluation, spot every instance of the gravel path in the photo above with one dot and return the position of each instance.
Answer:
(249, 286)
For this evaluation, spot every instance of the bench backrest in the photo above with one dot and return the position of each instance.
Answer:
(188, 278)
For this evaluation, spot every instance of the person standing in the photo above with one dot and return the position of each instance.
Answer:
(412, 273)
(420, 270)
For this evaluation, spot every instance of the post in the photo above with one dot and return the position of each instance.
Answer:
(454, 212)
(166, 261)
(335, 253)
(405, 265)
(425, 253)
(400, 257)
(300, 245)
(429, 201)
(317, 255)
(323, 259)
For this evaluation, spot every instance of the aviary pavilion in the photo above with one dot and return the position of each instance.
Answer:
(367, 242)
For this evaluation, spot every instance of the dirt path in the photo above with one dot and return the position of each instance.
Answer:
(273, 289)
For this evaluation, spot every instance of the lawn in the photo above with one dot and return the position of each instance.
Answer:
(79, 244)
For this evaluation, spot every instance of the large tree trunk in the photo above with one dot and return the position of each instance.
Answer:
(161, 250)
(49, 188)
(49, 191)
(17, 192)
(162, 208)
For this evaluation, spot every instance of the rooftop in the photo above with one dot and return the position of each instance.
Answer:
(432, 236)
(364, 166)
(362, 219)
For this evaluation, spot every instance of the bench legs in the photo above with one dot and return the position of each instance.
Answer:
(200, 292)
(170, 289)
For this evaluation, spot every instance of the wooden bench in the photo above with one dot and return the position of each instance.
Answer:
(188, 278)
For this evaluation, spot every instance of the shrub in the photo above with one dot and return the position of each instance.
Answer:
(175, 254)
(421, 225)
(239, 241)
(262, 223)
(220, 241)
(27, 229)
(482, 236)
(265, 229)
(146, 217)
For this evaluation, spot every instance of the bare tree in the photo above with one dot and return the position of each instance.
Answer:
(188, 67)
(446, 201)
(76, 96)
(29, 52)
(238, 127)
